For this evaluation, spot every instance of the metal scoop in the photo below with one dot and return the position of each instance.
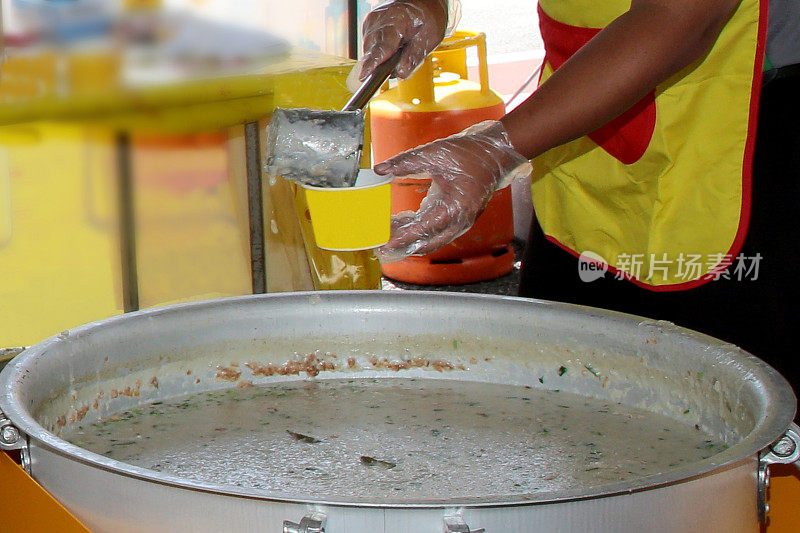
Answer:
(323, 148)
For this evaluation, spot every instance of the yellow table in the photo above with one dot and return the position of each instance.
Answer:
(96, 219)
(201, 101)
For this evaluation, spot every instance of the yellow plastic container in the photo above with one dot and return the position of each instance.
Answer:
(352, 218)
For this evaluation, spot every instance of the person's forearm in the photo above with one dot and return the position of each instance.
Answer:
(619, 66)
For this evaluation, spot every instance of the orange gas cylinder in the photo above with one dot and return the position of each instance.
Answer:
(435, 102)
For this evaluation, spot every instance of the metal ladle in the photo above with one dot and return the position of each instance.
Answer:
(323, 148)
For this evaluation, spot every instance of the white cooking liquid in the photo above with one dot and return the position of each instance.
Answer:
(445, 438)
(318, 148)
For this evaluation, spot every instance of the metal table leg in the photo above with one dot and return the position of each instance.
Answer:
(127, 233)
(258, 265)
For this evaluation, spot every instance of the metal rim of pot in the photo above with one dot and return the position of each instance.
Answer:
(775, 438)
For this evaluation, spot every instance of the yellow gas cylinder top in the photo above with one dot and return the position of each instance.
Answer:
(440, 83)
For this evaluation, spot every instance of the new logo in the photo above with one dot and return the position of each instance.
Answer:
(591, 266)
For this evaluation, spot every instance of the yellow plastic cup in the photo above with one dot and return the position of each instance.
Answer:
(352, 218)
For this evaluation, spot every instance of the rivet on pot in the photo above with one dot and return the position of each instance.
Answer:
(784, 447)
(9, 435)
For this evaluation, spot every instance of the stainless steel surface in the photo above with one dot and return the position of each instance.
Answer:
(511, 340)
(313, 147)
(313, 523)
(94, 495)
(323, 148)
(785, 450)
(25, 459)
(255, 204)
(372, 83)
(10, 436)
(762, 491)
(456, 524)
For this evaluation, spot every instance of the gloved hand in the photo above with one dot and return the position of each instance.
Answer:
(466, 169)
(420, 25)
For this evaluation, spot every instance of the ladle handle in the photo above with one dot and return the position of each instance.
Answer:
(373, 82)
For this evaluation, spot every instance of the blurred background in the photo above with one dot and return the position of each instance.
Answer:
(129, 145)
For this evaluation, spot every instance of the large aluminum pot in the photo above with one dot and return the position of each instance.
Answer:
(654, 365)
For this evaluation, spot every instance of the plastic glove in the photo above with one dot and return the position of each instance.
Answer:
(420, 25)
(466, 169)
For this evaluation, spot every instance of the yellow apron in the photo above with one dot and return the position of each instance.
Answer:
(661, 194)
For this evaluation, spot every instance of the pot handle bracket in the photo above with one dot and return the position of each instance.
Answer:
(785, 450)
(454, 523)
(311, 523)
(11, 438)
